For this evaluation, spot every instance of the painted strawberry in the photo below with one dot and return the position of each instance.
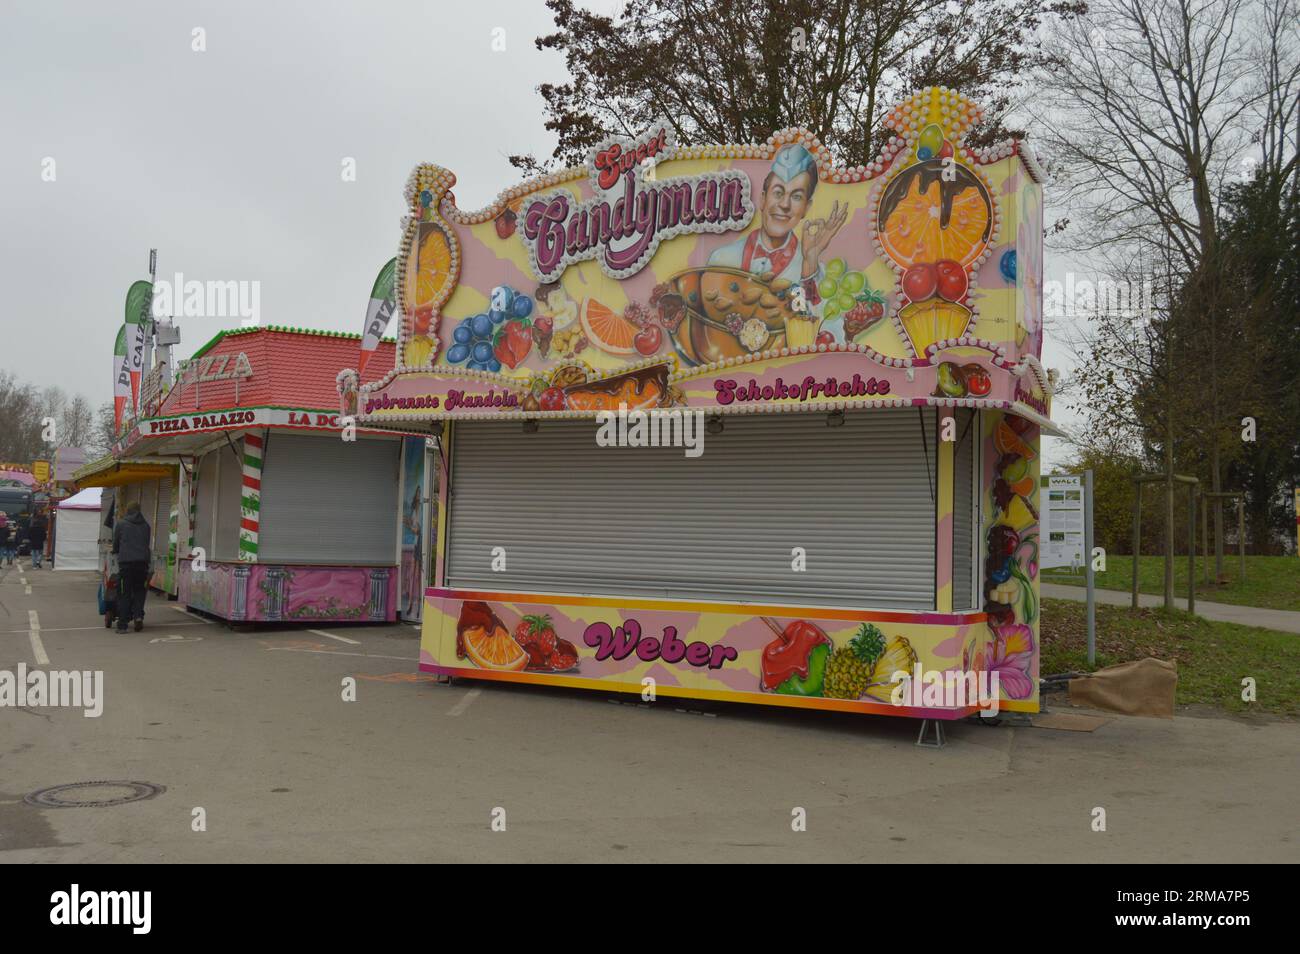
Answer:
(538, 632)
(541, 633)
(552, 399)
(513, 342)
(867, 309)
(565, 656)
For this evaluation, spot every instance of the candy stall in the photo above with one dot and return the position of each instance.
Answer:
(734, 422)
(282, 511)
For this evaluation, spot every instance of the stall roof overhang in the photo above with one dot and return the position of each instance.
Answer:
(421, 398)
(112, 472)
(183, 435)
(431, 422)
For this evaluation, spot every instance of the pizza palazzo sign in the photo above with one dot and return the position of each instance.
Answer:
(632, 211)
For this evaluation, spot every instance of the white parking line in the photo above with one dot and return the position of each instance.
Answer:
(27, 590)
(336, 652)
(35, 633)
(341, 639)
(86, 629)
(461, 706)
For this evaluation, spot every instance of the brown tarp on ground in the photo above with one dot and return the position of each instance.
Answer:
(1144, 687)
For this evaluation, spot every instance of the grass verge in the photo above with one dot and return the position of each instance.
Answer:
(1271, 582)
(1213, 658)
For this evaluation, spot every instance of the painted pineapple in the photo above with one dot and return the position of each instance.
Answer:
(848, 671)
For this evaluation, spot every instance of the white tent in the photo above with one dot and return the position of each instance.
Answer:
(76, 531)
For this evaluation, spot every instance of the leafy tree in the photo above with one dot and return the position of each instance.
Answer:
(735, 71)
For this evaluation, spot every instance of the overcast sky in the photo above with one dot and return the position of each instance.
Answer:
(228, 161)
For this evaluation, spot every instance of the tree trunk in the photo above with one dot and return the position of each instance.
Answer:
(1216, 483)
(1169, 505)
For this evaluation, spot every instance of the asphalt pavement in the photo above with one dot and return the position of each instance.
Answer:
(263, 760)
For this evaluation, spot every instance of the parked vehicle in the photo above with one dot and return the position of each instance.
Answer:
(16, 502)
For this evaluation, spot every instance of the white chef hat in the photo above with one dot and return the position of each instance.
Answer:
(792, 159)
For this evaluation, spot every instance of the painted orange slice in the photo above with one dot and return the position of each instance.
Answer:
(916, 227)
(496, 650)
(1008, 441)
(432, 268)
(607, 329)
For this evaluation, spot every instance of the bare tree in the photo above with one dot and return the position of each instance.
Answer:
(1151, 109)
(20, 420)
(104, 433)
(77, 422)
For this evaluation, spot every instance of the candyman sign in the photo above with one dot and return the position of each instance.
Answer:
(631, 213)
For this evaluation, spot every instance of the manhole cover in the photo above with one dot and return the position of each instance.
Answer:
(99, 794)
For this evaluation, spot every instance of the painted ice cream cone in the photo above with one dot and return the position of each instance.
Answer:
(801, 330)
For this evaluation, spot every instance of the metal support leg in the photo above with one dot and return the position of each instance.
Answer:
(937, 741)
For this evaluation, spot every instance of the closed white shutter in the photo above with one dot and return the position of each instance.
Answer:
(230, 489)
(577, 518)
(326, 500)
(205, 501)
(963, 510)
(161, 516)
(148, 501)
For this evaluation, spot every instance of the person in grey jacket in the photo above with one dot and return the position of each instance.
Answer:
(131, 544)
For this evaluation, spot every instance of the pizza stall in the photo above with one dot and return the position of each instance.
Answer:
(283, 518)
(835, 479)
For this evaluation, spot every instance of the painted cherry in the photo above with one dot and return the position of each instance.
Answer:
(920, 281)
(952, 282)
(648, 339)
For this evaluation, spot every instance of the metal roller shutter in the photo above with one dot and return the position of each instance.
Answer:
(575, 517)
(205, 502)
(325, 500)
(230, 486)
(963, 510)
(161, 517)
(204, 508)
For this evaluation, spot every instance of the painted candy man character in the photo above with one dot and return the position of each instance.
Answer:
(774, 250)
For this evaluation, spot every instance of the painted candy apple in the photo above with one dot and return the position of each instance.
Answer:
(978, 381)
(795, 662)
